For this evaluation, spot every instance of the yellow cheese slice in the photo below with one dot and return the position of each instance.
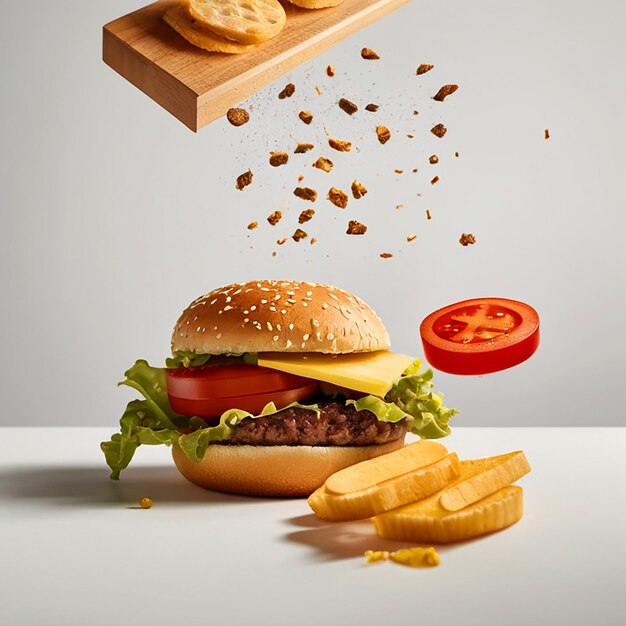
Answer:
(368, 372)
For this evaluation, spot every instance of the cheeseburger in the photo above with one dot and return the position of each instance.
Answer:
(274, 385)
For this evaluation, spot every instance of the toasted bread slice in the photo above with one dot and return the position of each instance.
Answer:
(245, 21)
(198, 35)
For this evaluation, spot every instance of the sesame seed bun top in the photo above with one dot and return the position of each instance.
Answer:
(279, 316)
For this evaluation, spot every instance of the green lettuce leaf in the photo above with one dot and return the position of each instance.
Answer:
(185, 358)
(138, 426)
(414, 395)
(151, 383)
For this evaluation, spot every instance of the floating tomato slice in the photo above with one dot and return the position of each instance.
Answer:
(480, 336)
(253, 403)
(208, 391)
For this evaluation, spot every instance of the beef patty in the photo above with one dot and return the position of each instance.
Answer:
(337, 424)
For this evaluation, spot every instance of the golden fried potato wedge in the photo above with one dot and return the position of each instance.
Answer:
(386, 495)
(428, 522)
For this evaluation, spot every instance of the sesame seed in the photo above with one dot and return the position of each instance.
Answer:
(227, 307)
(246, 312)
(253, 307)
(319, 336)
(316, 323)
(290, 326)
(228, 299)
(283, 311)
(273, 308)
(289, 344)
(263, 301)
(275, 337)
(305, 336)
(278, 326)
(218, 336)
(246, 320)
(198, 329)
(214, 327)
(277, 297)
(213, 302)
(269, 326)
(330, 336)
(291, 301)
(324, 306)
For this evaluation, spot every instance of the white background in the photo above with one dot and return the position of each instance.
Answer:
(115, 216)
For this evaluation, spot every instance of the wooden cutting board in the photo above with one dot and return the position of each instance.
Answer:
(197, 86)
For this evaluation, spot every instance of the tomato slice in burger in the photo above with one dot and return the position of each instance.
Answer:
(254, 403)
(208, 391)
(222, 381)
(480, 336)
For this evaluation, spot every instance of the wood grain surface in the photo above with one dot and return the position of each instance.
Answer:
(197, 86)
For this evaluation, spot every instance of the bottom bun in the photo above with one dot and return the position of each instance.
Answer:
(278, 471)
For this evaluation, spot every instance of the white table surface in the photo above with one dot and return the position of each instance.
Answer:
(75, 551)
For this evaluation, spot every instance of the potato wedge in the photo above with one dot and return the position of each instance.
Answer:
(387, 466)
(389, 494)
(428, 522)
(492, 474)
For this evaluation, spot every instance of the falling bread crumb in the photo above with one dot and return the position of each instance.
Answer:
(338, 197)
(439, 130)
(383, 134)
(369, 54)
(278, 158)
(444, 92)
(287, 92)
(358, 190)
(323, 164)
(467, 239)
(339, 144)
(237, 117)
(243, 180)
(356, 228)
